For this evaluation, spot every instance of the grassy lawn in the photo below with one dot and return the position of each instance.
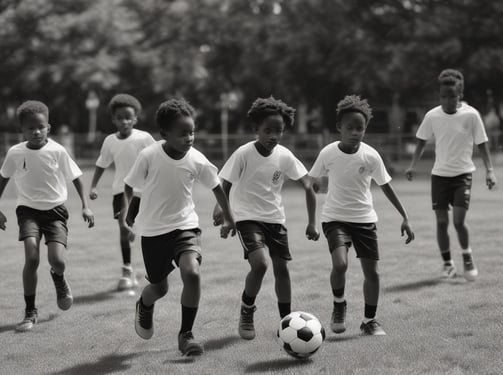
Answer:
(434, 326)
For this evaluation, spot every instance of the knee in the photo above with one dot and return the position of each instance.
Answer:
(340, 267)
(459, 225)
(32, 262)
(259, 268)
(281, 271)
(372, 276)
(57, 264)
(160, 289)
(442, 225)
(191, 276)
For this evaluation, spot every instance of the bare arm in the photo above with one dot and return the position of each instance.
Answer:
(409, 173)
(128, 195)
(486, 157)
(389, 192)
(87, 214)
(311, 231)
(228, 224)
(217, 211)
(3, 184)
(98, 172)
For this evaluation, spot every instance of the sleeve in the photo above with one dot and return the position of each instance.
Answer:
(479, 132)
(233, 167)
(295, 169)
(68, 166)
(149, 140)
(106, 158)
(9, 166)
(379, 172)
(208, 175)
(319, 169)
(425, 130)
(138, 173)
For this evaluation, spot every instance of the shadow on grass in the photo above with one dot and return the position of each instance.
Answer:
(96, 297)
(220, 343)
(12, 327)
(182, 360)
(339, 338)
(107, 364)
(277, 365)
(413, 285)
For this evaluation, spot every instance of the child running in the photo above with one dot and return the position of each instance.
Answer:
(456, 127)
(348, 216)
(121, 149)
(165, 172)
(40, 168)
(254, 176)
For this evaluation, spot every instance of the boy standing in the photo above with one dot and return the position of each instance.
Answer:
(40, 167)
(254, 176)
(348, 216)
(165, 172)
(122, 148)
(456, 127)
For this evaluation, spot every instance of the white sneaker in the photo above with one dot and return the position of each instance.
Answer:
(470, 271)
(448, 271)
(127, 281)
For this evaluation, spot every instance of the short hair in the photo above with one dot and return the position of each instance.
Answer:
(265, 107)
(353, 103)
(171, 110)
(452, 77)
(124, 100)
(31, 107)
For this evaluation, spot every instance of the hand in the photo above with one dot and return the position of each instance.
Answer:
(218, 216)
(405, 228)
(130, 234)
(490, 179)
(228, 226)
(3, 220)
(93, 194)
(88, 216)
(409, 173)
(312, 233)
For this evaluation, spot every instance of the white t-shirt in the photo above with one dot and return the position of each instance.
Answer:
(40, 175)
(166, 186)
(123, 153)
(349, 176)
(454, 135)
(257, 181)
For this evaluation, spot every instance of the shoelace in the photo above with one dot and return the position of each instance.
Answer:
(247, 318)
(145, 318)
(338, 313)
(30, 315)
(468, 261)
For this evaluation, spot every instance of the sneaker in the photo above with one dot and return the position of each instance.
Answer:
(448, 271)
(63, 291)
(143, 322)
(128, 279)
(338, 322)
(372, 328)
(188, 344)
(30, 318)
(470, 271)
(246, 328)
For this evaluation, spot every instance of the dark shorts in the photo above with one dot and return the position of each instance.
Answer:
(118, 205)
(258, 235)
(160, 252)
(363, 236)
(451, 191)
(35, 223)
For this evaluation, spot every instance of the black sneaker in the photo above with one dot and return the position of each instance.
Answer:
(246, 327)
(63, 291)
(143, 322)
(338, 322)
(188, 344)
(372, 328)
(30, 318)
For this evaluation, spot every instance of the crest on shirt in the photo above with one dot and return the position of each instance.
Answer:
(275, 177)
(361, 169)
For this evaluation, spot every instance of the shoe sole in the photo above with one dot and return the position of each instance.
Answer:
(338, 328)
(247, 335)
(363, 333)
(25, 328)
(65, 303)
(193, 351)
(145, 334)
(125, 283)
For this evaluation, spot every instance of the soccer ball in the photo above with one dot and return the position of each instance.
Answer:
(300, 334)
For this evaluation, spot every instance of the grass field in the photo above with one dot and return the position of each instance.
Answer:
(434, 326)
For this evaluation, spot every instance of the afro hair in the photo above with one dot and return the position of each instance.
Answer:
(353, 103)
(452, 77)
(31, 107)
(124, 100)
(265, 107)
(171, 110)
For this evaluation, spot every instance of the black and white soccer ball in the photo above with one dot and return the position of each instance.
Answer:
(300, 334)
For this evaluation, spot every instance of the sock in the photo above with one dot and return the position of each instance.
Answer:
(188, 317)
(145, 306)
(467, 251)
(30, 302)
(55, 276)
(284, 309)
(370, 313)
(338, 295)
(247, 300)
(446, 256)
(126, 252)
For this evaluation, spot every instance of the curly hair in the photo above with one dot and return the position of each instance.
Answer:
(124, 100)
(265, 107)
(353, 103)
(452, 77)
(31, 107)
(171, 110)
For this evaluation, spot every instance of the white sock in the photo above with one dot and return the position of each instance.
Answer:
(339, 299)
(467, 251)
(366, 320)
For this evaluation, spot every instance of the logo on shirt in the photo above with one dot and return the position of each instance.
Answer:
(361, 169)
(275, 177)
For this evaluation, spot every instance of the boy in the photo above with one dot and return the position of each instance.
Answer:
(254, 176)
(166, 172)
(122, 148)
(348, 215)
(456, 126)
(40, 167)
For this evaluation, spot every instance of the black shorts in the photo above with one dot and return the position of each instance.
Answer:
(160, 252)
(259, 235)
(363, 236)
(35, 223)
(453, 191)
(118, 205)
